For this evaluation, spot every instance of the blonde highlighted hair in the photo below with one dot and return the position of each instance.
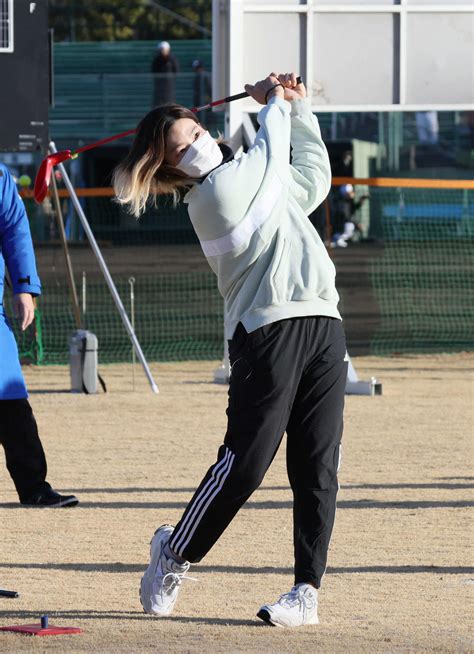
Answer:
(144, 173)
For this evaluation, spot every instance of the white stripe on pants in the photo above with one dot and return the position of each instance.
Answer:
(197, 510)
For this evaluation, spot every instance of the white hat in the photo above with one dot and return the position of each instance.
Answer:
(163, 45)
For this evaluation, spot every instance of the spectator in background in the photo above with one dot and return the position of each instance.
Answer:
(465, 130)
(202, 91)
(24, 453)
(202, 87)
(164, 68)
(318, 220)
(346, 207)
(427, 127)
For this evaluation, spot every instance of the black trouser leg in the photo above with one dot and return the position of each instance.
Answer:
(24, 453)
(268, 366)
(313, 450)
(260, 396)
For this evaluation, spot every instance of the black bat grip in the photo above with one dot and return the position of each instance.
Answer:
(298, 81)
(244, 94)
(8, 593)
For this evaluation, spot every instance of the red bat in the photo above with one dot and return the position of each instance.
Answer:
(44, 171)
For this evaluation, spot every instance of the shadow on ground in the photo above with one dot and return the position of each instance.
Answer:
(129, 615)
(229, 569)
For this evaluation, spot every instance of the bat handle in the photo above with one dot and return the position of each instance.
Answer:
(244, 94)
(8, 593)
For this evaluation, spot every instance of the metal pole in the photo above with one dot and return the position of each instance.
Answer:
(62, 237)
(84, 295)
(105, 271)
(334, 126)
(131, 281)
(381, 149)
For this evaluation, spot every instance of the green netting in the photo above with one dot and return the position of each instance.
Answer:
(178, 309)
(178, 316)
(423, 281)
(407, 287)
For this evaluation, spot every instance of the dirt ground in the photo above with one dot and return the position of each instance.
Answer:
(400, 576)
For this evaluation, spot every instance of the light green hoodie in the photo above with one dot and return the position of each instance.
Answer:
(250, 215)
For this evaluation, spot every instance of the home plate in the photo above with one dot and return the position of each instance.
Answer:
(38, 630)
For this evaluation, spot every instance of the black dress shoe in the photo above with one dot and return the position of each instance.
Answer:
(50, 498)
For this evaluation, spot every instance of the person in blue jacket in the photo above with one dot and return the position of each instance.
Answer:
(24, 453)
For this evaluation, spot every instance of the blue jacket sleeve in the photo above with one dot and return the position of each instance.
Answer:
(15, 238)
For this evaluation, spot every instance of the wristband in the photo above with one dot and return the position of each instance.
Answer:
(269, 90)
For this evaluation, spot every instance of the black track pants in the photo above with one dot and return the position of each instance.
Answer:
(288, 376)
(24, 453)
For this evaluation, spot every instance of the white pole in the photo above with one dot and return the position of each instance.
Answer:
(105, 271)
(233, 61)
(131, 281)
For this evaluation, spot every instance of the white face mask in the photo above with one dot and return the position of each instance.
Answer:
(201, 157)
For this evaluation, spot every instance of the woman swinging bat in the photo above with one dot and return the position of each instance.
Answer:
(286, 340)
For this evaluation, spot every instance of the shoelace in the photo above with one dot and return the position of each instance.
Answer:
(173, 580)
(297, 596)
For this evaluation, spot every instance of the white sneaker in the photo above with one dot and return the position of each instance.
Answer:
(297, 608)
(160, 584)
